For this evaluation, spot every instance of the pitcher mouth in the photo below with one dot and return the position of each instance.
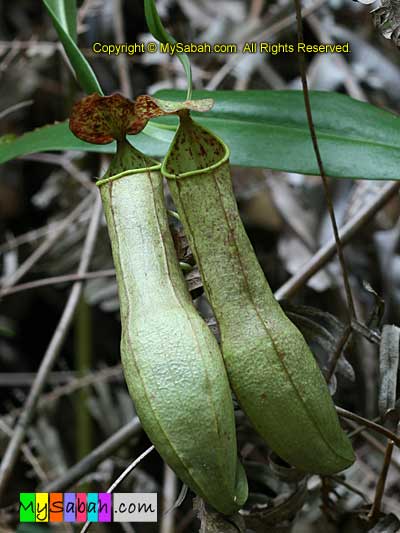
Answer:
(194, 150)
(125, 173)
(127, 161)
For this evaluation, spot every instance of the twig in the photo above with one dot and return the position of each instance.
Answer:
(380, 486)
(44, 46)
(46, 245)
(369, 425)
(28, 237)
(130, 468)
(40, 473)
(327, 251)
(12, 450)
(360, 429)
(69, 388)
(56, 280)
(372, 336)
(375, 443)
(338, 352)
(25, 379)
(65, 278)
(350, 487)
(328, 196)
(121, 478)
(94, 458)
(14, 108)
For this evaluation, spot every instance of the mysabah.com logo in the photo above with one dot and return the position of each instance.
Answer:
(84, 507)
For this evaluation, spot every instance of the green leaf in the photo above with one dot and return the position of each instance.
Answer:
(63, 14)
(153, 140)
(160, 33)
(264, 129)
(66, 13)
(269, 129)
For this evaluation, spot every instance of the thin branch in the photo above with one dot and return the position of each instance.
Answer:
(380, 486)
(14, 108)
(369, 425)
(44, 46)
(46, 245)
(25, 379)
(128, 470)
(372, 336)
(56, 280)
(374, 442)
(94, 458)
(66, 278)
(360, 429)
(28, 237)
(343, 341)
(71, 387)
(27, 452)
(327, 252)
(328, 196)
(121, 478)
(350, 487)
(12, 451)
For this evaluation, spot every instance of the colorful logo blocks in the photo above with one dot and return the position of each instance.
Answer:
(81, 507)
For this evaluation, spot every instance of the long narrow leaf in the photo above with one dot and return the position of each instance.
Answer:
(58, 137)
(62, 17)
(66, 13)
(269, 129)
(160, 33)
(266, 129)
